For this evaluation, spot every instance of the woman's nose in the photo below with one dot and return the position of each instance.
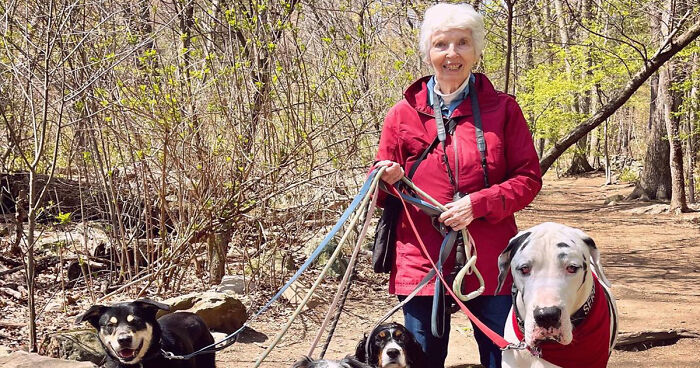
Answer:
(451, 50)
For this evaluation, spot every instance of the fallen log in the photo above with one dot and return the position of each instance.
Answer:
(643, 340)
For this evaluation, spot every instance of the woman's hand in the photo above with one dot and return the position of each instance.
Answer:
(393, 172)
(459, 214)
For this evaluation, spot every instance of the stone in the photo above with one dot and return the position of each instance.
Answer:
(220, 311)
(296, 292)
(22, 359)
(233, 284)
(80, 345)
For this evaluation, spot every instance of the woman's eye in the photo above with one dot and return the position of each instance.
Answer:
(572, 269)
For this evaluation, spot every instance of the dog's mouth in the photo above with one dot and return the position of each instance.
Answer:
(542, 334)
(128, 354)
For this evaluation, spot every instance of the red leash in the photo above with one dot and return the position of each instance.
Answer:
(497, 339)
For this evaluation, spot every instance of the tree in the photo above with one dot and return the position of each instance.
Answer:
(672, 45)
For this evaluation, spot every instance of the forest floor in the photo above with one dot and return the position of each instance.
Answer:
(651, 257)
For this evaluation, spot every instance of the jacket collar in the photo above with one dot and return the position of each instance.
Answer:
(417, 96)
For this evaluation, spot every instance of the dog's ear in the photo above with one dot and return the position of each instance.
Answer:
(360, 353)
(92, 316)
(151, 306)
(507, 255)
(595, 257)
(414, 352)
(148, 304)
(302, 363)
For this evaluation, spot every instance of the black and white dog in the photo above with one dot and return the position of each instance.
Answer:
(390, 345)
(133, 337)
(562, 306)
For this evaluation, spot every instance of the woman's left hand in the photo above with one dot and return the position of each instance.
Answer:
(459, 214)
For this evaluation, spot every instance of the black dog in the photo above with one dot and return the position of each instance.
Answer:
(131, 335)
(347, 362)
(391, 345)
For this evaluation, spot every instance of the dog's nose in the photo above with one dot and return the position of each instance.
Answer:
(124, 340)
(548, 317)
(393, 353)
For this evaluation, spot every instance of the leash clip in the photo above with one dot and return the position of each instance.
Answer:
(170, 355)
(520, 345)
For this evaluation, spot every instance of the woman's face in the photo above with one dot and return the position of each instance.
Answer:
(452, 57)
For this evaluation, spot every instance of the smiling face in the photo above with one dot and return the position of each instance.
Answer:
(126, 330)
(126, 334)
(452, 55)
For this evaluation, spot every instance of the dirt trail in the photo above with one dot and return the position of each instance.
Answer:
(651, 259)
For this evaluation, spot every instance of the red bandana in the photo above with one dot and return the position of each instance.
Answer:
(590, 347)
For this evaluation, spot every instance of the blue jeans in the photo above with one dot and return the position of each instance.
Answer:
(491, 310)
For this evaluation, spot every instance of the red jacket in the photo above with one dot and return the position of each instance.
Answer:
(513, 172)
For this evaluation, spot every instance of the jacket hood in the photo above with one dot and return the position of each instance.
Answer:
(417, 96)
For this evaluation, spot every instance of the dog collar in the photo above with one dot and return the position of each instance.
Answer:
(576, 318)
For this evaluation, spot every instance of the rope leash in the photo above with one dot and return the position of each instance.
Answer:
(344, 287)
(365, 199)
(231, 338)
(498, 340)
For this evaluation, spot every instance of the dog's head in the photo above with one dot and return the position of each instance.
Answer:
(551, 266)
(391, 345)
(126, 330)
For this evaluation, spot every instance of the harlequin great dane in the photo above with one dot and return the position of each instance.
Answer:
(562, 306)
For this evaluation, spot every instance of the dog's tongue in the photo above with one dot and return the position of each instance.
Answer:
(127, 353)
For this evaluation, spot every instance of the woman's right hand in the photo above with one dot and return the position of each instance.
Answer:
(392, 173)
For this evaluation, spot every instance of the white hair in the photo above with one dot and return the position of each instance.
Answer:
(442, 16)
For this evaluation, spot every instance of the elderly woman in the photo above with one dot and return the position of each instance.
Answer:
(481, 195)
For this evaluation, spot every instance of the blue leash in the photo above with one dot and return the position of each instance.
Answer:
(230, 339)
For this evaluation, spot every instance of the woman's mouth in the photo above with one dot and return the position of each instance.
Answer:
(453, 67)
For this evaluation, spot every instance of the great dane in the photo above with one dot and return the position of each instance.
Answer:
(562, 309)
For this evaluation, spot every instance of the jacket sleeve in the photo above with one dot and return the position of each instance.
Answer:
(389, 146)
(523, 177)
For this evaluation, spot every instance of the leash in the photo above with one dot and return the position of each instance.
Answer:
(344, 287)
(498, 340)
(373, 181)
(231, 338)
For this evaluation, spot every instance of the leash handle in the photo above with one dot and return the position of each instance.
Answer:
(494, 337)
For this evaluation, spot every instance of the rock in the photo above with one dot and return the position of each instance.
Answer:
(296, 292)
(81, 345)
(613, 200)
(4, 351)
(21, 359)
(233, 284)
(220, 311)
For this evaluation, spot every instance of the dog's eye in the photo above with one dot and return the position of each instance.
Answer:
(398, 333)
(382, 335)
(525, 270)
(572, 268)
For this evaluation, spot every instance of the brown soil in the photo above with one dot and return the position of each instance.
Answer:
(651, 259)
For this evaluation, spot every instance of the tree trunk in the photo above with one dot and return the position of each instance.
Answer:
(579, 163)
(692, 116)
(669, 100)
(217, 247)
(509, 41)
